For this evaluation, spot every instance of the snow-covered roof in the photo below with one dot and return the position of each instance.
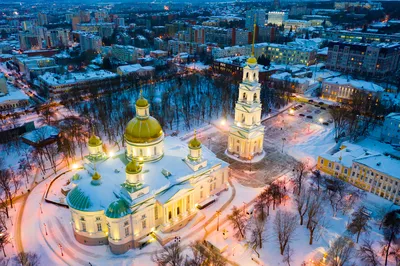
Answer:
(348, 154)
(358, 84)
(42, 133)
(13, 94)
(394, 116)
(98, 197)
(135, 68)
(384, 164)
(71, 78)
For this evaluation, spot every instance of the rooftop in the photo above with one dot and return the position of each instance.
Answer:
(358, 84)
(71, 78)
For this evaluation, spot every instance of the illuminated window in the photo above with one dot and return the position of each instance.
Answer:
(99, 229)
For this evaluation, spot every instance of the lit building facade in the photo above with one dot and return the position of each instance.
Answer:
(127, 200)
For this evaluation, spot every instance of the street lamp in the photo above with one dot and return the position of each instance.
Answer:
(223, 122)
(321, 120)
(61, 249)
(218, 214)
(111, 154)
(45, 228)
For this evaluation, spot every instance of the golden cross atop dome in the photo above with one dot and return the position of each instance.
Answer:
(254, 35)
(141, 94)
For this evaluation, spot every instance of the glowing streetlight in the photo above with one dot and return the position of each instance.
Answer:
(111, 154)
(74, 166)
(321, 120)
(218, 214)
(239, 124)
(291, 111)
(223, 122)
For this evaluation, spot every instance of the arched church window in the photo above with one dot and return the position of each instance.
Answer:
(155, 150)
(243, 118)
(255, 97)
(254, 76)
(141, 152)
(247, 75)
(244, 96)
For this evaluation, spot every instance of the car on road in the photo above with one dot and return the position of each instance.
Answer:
(317, 105)
(325, 123)
(323, 108)
(309, 116)
(321, 103)
(302, 115)
(310, 101)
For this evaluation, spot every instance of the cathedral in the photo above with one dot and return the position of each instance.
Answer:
(150, 189)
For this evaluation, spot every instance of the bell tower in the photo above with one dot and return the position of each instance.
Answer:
(246, 135)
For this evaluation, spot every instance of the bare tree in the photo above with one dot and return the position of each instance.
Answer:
(340, 121)
(257, 233)
(367, 254)
(170, 255)
(287, 256)
(202, 255)
(261, 205)
(317, 177)
(302, 199)
(27, 259)
(284, 226)
(340, 252)
(315, 214)
(359, 222)
(4, 239)
(299, 176)
(395, 253)
(238, 219)
(391, 228)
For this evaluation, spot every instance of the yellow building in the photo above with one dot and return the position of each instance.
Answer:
(368, 170)
(147, 191)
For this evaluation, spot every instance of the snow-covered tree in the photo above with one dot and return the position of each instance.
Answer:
(239, 221)
(170, 255)
(367, 254)
(359, 222)
(341, 251)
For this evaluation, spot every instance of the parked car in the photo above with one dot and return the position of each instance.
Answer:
(310, 101)
(309, 116)
(323, 108)
(317, 105)
(321, 103)
(302, 115)
(317, 111)
(325, 123)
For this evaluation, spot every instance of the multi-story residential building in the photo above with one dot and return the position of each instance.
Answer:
(176, 26)
(391, 129)
(267, 34)
(58, 37)
(255, 16)
(160, 44)
(75, 21)
(120, 22)
(220, 36)
(369, 170)
(90, 42)
(377, 59)
(126, 53)
(359, 36)
(277, 18)
(29, 41)
(341, 89)
(42, 19)
(176, 47)
(285, 54)
(230, 51)
(367, 4)
(53, 85)
(104, 29)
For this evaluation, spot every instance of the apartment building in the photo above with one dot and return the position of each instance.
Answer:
(230, 51)
(176, 47)
(58, 37)
(220, 36)
(359, 36)
(29, 41)
(255, 16)
(285, 54)
(366, 169)
(296, 24)
(126, 53)
(90, 42)
(340, 89)
(277, 18)
(377, 59)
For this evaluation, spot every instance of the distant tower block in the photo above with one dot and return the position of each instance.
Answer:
(246, 135)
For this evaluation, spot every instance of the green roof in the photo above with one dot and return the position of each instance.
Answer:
(118, 209)
(79, 200)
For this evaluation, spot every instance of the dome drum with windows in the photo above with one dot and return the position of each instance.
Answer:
(144, 135)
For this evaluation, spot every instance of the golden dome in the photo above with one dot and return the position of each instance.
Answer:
(94, 141)
(96, 176)
(252, 60)
(133, 167)
(142, 102)
(194, 143)
(143, 130)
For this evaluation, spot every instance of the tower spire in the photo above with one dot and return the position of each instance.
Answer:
(254, 35)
